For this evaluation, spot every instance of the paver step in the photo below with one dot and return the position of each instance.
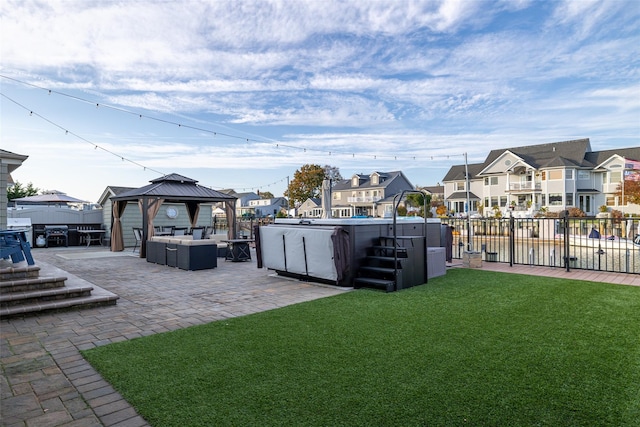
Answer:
(369, 282)
(13, 273)
(58, 305)
(55, 294)
(31, 284)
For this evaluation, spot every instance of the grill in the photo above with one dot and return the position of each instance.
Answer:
(56, 233)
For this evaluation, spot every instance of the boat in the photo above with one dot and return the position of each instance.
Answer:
(596, 241)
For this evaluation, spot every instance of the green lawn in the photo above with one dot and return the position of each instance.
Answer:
(471, 348)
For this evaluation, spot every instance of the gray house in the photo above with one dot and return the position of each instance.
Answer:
(367, 195)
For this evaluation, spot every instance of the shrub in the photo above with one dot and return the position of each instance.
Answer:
(576, 212)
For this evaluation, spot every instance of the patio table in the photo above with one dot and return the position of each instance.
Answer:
(92, 235)
(238, 250)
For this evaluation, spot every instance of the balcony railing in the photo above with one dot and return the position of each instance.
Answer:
(363, 199)
(525, 186)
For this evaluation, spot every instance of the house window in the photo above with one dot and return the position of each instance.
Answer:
(556, 174)
(615, 177)
(569, 198)
(336, 196)
(543, 176)
(503, 201)
(568, 174)
(486, 202)
(354, 181)
(374, 179)
(583, 175)
(494, 202)
(555, 199)
(611, 200)
(491, 180)
(544, 200)
(460, 186)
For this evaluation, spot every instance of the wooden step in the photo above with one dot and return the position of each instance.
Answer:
(44, 295)
(31, 284)
(370, 282)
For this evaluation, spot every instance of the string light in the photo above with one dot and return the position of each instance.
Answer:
(181, 125)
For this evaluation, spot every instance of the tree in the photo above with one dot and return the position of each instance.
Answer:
(306, 183)
(17, 191)
(631, 191)
(265, 194)
(416, 200)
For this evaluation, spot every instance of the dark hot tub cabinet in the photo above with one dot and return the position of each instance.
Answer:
(183, 252)
(354, 252)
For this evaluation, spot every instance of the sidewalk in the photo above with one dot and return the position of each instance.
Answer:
(45, 381)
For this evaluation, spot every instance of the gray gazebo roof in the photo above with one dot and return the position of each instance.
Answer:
(175, 188)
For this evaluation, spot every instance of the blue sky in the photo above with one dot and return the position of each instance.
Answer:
(260, 88)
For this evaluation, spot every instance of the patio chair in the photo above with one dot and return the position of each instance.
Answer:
(197, 233)
(179, 231)
(137, 233)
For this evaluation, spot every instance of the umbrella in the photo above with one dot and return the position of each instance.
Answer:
(326, 198)
(48, 198)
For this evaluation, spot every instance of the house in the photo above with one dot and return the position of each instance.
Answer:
(268, 207)
(553, 176)
(311, 208)
(435, 191)
(243, 208)
(367, 195)
(8, 163)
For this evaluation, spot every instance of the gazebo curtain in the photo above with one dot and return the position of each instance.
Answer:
(117, 241)
(230, 210)
(152, 210)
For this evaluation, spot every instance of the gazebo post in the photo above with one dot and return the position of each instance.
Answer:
(145, 226)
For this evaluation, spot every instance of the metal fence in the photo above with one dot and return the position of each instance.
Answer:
(592, 243)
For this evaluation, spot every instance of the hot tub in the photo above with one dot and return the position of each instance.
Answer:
(306, 248)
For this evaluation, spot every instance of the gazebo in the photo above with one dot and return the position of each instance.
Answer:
(173, 188)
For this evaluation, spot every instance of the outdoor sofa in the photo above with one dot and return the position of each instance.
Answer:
(183, 252)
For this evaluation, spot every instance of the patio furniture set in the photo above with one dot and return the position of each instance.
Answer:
(195, 252)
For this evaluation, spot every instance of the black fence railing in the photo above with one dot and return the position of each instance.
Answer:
(592, 243)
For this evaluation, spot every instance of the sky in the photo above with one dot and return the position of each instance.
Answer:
(241, 94)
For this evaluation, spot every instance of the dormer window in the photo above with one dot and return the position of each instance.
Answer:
(374, 179)
(355, 181)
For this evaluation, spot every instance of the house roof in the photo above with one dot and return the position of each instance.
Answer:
(456, 173)
(598, 157)
(462, 195)
(563, 153)
(434, 189)
(345, 184)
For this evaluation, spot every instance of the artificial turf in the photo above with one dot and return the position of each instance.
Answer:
(469, 348)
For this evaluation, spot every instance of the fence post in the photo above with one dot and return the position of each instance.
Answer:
(567, 256)
(512, 239)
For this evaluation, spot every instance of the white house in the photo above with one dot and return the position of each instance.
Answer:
(554, 176)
